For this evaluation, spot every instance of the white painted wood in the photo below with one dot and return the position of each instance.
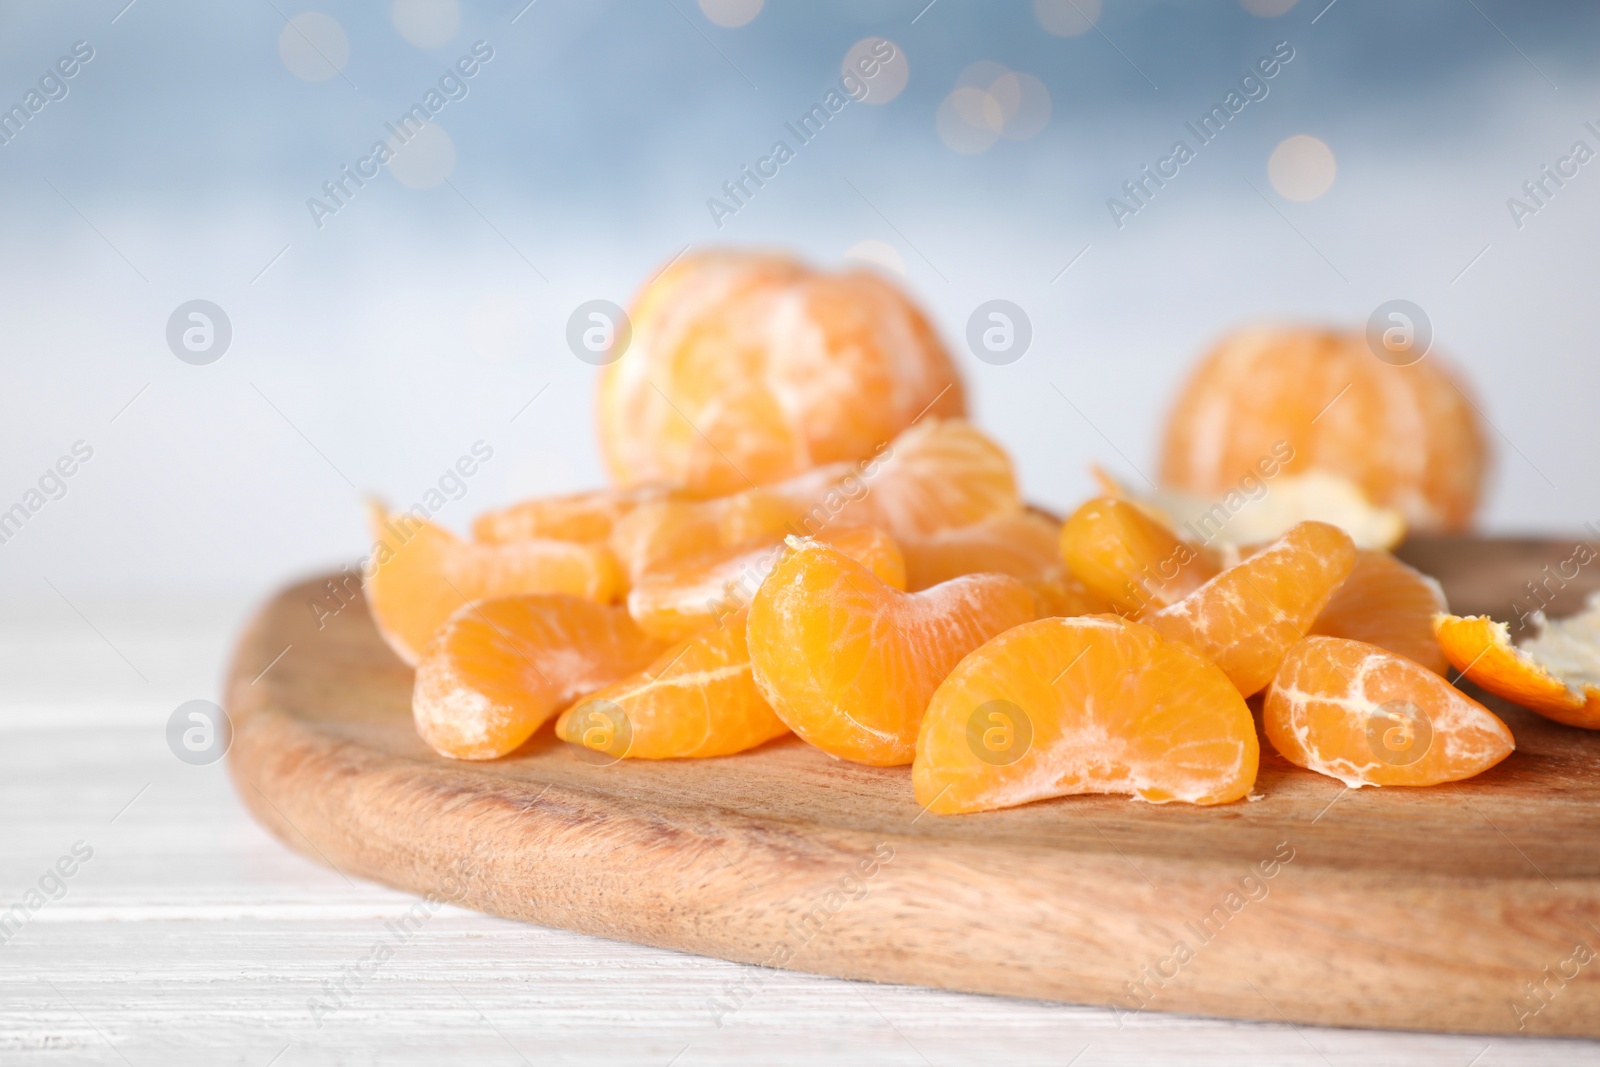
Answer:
(193, 937)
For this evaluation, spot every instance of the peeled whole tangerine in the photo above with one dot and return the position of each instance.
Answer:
(748, 368)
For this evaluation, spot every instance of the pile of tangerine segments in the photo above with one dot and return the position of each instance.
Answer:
(875, 585)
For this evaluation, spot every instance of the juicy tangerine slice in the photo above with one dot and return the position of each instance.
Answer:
(693, 594)
(499, 668)
(1248, 617)
(1096, 704)
(849, 663)
(422, 573)
(1127, 557)
(1366, 716)
(1022, 544)
(587, 517)
(938, 474)
(1388, 604)
(1556, 673)
(697, 699)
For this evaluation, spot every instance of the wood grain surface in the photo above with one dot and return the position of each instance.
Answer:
(1473, 907)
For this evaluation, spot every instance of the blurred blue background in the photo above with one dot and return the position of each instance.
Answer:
(367, 354)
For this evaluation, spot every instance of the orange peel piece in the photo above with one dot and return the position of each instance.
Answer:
(1556, 673)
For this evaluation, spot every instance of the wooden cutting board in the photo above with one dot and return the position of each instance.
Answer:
(1442, 908)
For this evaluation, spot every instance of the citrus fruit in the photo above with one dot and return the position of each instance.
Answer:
(421, 573)
(1388, 604)
(1096, 704)
(1556, 673)
(1295, 400)
(747, 368)
(585, 517)
(697, 699)
(497, 669)
(1130, 559)
(1022, 544)
(1366, 716)
(938, 474)
(1246, 618)
(693, 594)
(849, 662)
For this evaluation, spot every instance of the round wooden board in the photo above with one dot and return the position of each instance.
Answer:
(1426, 909)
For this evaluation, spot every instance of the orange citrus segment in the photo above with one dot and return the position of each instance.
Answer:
(1556, 674)
(937, 474)
(748, 368)
(585, 517)
(692, 594)
(1246, 618)
(422, 573)
(499, 668)
(697, 699)
(1022, 544)
(1088, 705)
(1127, 557)
(849, 662)
(1366, 716)
(1388, 604)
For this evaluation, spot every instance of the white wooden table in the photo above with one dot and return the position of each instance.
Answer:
(191, 936)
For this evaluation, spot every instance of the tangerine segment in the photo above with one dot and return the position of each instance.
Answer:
(1129, 558)
(1246, 618)
(421, 573)
(1089, 705)
(1388, 604)
(937, 474)
(499, 668)
(690, 595)
(1399, 428)
(1556, 673)
(587, 517)
(697, 699)
(1022, 544)
(750, 368)
(849, 662)
(1363, 715)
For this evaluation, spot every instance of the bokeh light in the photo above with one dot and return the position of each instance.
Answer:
(313, 47)
(426, 23)
(880, 65)
(1301, 168)
(731, 13)
(1067, 18)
